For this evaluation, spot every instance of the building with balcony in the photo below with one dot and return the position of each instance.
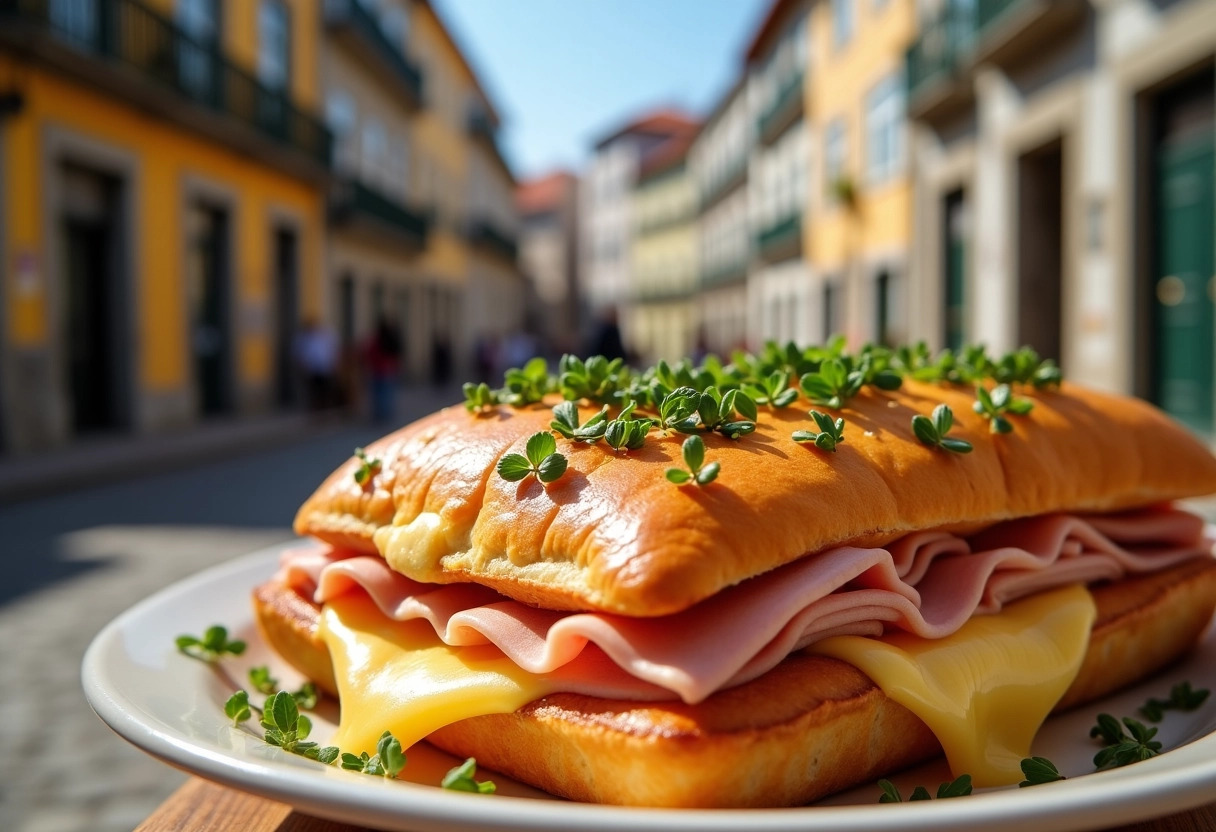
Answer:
(661, 315)
(858, 201)
(780, 300)
(1063, 159)
(470, 285)
(606, 216)
(719, 162)
(163, 178)
(422, 220)
(548, 253)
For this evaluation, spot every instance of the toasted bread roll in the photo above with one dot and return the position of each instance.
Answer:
(613, 534)
(808, 728)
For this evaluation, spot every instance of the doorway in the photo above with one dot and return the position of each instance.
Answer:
(286, 317)
(93, 311)
(1183, 282)
(956, 228)
(1041, 248)
(209, 297)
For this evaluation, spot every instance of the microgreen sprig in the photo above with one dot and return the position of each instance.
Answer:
(832, 385)
(541, 459)
(565, 421)
(526, 385)
(993, 406)
(678, 410)
(1123, 748)
(698, 472)
(388, 761)
(596, 379)
(287, 728)
(368, 468)
(932, 432)
(462, 779)
(773, 389)
(213, 645)
(1039, 770)
(479, 397)
(1182, 698)
(717, 411)
(830, 433)
(960, 787)
(627, 434)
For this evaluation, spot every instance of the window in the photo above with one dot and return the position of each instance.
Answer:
(842, 22)
(835, 155)
(884, 128)
(199, 19)
(393, 24)
(274, 44)
(76, 19)
(340, 117)
(374, 148)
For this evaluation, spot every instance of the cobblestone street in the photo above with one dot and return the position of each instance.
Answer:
(74, 561)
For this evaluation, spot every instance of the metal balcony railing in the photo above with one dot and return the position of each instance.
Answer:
(352, 200)
(485, 234)
(789, 102)
(779, 233)
(129, 33)
(351, 15)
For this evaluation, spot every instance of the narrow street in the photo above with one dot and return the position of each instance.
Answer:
(73, 562)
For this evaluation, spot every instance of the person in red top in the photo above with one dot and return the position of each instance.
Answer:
(382, 357)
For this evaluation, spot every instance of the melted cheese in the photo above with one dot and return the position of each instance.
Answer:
(398, 676)
(416, 547)
(986, 689)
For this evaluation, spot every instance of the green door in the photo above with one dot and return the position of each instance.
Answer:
(956, 269)
(1184, 284)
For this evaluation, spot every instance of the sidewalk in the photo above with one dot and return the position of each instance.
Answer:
(101, 460)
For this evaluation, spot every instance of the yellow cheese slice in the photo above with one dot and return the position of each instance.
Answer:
(400, 677)
(986, 689)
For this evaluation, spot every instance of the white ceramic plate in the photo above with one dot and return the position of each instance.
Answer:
(172, 707)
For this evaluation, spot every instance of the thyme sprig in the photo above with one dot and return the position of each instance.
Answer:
(717, 411)
(1039, 770)
(462, 778)
(1182, 698)
(565, 421)
(993, 406)
(830, 433)
(773, 389)
(479, 397)
(959, 787)
(932, 431)
(388, 761)
(211, 647)
(1123, 748)
(626, 432)
(693, 451)
(368, 467)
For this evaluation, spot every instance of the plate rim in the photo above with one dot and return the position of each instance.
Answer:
(1183, 778)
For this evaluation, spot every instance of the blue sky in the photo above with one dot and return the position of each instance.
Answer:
(563, 72)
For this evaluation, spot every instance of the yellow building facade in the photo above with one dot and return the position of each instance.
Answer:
(162, 224)
(858, 235)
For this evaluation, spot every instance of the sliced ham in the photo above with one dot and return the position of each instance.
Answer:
(927, 583)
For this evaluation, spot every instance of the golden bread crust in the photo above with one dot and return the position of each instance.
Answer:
(810, 727)
(613, 534)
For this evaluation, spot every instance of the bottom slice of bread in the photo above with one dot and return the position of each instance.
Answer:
(808, 728)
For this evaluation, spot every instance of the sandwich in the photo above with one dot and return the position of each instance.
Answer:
(751, 584)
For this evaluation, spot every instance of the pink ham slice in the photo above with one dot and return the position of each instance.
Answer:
(927, 583)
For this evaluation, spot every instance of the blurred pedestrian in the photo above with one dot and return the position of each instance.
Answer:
(382, 356)
(316, 351)
(607, 340)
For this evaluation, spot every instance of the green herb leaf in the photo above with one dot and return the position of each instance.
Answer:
(694, 452)
(392, 758)
(1039, 770)
(462, 779)
(551, 467)
(306, 696)
(262, 681)
(932, 432)
(211, 647)
(540, 445)
(1182, 697)
(960, 787)
(920, 793)
(708, 474)
(237, 707)
(890, 793)
(678, 475)
(514, 467)
(368, 468)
